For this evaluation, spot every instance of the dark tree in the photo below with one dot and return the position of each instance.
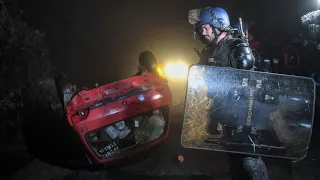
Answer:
(25, 71)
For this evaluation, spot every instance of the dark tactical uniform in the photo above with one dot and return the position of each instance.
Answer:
(235, 53)
(229, 52)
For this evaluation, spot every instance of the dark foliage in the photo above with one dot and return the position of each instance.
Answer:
(24, 71)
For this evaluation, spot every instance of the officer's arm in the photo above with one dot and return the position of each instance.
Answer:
(243, 57)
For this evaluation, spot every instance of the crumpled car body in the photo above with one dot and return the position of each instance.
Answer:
(121, 118)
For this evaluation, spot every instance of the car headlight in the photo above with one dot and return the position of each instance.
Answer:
(160, 72)
(176, 70)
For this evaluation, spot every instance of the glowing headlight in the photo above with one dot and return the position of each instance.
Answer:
(176, 70)
(159, 70)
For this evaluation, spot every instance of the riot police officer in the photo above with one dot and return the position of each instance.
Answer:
(222, 49)
(225, 50)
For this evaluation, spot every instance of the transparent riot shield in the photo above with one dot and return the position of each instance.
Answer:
(248, 112)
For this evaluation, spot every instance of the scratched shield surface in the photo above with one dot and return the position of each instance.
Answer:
(248, 112)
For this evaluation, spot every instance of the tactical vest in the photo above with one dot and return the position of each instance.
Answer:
(221, 54)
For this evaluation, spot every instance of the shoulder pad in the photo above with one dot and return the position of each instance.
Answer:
(242, 55)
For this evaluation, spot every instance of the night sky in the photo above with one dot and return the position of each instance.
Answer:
(100, 40)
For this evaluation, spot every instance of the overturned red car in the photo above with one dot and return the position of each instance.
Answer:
(121, 118)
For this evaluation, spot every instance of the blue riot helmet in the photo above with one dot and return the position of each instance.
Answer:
(216, 17)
